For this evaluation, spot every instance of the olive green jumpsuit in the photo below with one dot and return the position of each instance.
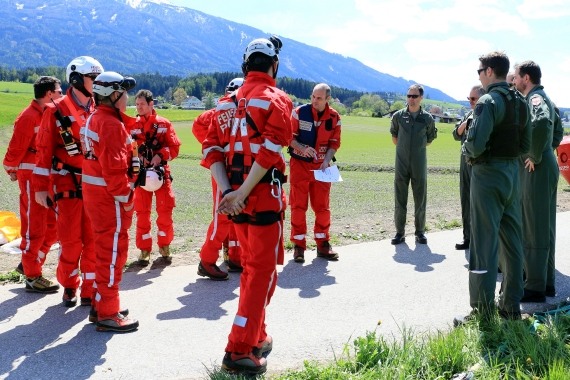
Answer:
(496, 222)
(464, 179)
(411, 164)
(539, 189)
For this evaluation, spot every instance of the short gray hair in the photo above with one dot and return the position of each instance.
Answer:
(323, 86)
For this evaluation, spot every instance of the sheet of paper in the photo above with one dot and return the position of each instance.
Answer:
(330, 174)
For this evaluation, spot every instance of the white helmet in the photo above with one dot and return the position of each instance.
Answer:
(83, 65)
(109, 81)
(234, 84)
(153, 180)
(260, 45)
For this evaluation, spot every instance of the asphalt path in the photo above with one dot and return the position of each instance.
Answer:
(318, 308)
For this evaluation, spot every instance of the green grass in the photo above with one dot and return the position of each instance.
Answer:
(14, 97)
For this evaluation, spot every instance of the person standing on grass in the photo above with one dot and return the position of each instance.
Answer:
(316, 139)
(37, 224)
(539, 185)
(460, 134)
(499, 134)
(158, 144)
(221, 231)
(243, 150)
(412, 129)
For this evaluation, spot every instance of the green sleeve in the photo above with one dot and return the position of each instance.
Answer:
(540, 120)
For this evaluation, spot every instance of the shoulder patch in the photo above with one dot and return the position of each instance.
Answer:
(536, 100)
(478, 109)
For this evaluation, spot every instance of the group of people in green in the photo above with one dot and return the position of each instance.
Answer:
(508, 183)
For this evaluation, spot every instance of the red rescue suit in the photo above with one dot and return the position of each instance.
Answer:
(108, 201)
(221, 229)
(38, 224)
(159, 130)
(261, 245)
(325, 133)
(74, 227)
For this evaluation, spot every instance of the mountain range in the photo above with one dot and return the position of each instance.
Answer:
(143, 36)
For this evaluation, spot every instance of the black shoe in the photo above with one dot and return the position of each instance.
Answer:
(233, 266)
(510, 315)
(212, 271)
(20, 268)
(533, 296)
(69, 297)
(463, 245)
(421, 238)
(299, 254)
(243, 364)
(550, 291)
(398, 239)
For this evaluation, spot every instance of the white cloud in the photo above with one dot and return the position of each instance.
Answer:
(544, 9)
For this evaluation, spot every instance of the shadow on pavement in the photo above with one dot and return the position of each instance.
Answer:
(421, 256)
(307, 278)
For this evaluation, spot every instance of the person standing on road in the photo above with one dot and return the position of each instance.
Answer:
(158, 144)
(316, 139)
(412, 129)
(498, 136)
(108, 177)
(59, 160)
(539, 185)
(243, 150)
(221, 232)
(38, 227)
(460, 134)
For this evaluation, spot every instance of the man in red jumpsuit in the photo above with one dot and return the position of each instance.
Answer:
(243, 151)
(59, 155)
(38, 225)
(108, 177)
(316, 138)
(158, 144)
(221, 232)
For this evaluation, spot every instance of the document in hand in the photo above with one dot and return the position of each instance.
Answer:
(330, 174)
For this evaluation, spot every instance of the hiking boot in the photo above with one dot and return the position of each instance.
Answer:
(93, 314)
(326, 251)
(263, 348)
(69, 297)
(41, 285)
(233, 266)
(20, 268)
(212, 271)
(398, 239)
(144, 257)
(117, 323)
(247, 364)
(165, 252)
(226, 251)
(299, 254)
(85, 301)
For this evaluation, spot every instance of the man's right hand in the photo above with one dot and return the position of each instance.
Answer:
(13, 176)
(41, 198)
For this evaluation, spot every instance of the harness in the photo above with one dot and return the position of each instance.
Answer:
(58, 165)
(71, 144)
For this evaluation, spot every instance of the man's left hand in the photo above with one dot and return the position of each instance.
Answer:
(528, 164)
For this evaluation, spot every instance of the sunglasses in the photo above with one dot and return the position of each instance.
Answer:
(481, 70)
(413, 96)
(471, 98)
(91, 76)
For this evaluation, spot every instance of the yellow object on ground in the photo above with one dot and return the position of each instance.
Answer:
(9, 226)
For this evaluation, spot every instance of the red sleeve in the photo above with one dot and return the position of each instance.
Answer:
(212, 147)
(114, 157)
(201, 124)
(334, 141)
(277, 133)
(295, 122)
(171, 144)
(21, 141)
(45, 144)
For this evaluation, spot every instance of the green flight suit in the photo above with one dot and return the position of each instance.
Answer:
(411, 164)
(539, 189)
(496, 223)
(464, 178)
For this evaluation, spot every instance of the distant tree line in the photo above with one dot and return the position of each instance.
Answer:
(174, 89)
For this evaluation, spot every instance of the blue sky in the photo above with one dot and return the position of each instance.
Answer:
(433, 42)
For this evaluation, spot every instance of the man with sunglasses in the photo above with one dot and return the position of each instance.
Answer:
(59, 165)
(412, 129)
(459, 134)
(38, 229)
(497, 137)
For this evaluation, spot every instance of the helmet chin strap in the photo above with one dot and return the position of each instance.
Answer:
(81, 88)
(115, 107)
(276, 68)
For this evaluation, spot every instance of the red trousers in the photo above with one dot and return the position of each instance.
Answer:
(76, 241)
(305, 187)
(38, 227)
(111, 225)
(260, 248)
(221, 229)
(165, 202)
